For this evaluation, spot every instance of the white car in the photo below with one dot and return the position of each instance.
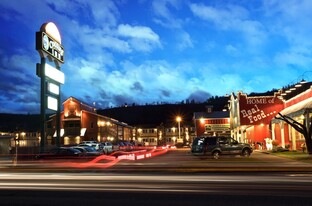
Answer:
(94, 144)
(107, 147)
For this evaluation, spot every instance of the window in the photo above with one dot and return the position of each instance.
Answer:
(211, 140)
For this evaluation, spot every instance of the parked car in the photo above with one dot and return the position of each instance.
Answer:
(87, 150)
(94, 144)
(217, 146)
(60, 153)
(107, 147)
(88, 142)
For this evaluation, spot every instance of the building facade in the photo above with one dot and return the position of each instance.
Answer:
(212, 123)
(298, 106)
(250, 116)
(80, 122)
(164, 135)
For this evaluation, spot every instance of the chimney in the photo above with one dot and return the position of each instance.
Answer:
(209, 109)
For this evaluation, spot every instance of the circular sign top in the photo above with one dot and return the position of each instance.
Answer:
(51, 29)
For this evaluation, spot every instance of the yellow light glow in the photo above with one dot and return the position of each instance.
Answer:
(202, 120)
(52, 30)
(77, 139)
(179, 119)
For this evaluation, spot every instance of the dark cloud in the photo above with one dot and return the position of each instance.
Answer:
(166, 93)
(199, 96)
(137, 86)
(122, 99)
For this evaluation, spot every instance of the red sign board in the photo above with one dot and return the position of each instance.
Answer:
(258, 110)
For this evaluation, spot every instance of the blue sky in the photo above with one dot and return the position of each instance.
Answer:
(149, 51)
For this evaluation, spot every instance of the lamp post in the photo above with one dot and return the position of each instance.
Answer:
(16, 144)
(179, 120)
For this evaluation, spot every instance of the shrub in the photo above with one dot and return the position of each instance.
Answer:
(275, 143)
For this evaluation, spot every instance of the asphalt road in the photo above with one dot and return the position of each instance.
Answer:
(174, 178)
(174, 161)
(183, 161)
(156, 189)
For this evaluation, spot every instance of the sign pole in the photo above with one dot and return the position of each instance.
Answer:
(43, 105)
(58, 117)
(48, 44)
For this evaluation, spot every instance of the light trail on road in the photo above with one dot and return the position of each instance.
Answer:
(272, 185)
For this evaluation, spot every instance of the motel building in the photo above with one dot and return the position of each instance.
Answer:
(252, 118)
(212, 123)
(159, 135)
(80, 122)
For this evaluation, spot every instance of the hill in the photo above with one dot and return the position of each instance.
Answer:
(166, 114)
(19, 122)
(143, 116)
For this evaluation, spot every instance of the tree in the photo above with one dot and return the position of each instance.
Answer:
(301, 128)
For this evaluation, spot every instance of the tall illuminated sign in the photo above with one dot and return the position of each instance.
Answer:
(49, 46)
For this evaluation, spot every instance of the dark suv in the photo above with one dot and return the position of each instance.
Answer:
(217, 146)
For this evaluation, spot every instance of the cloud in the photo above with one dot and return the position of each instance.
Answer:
(290, 23)
(139, 32)
(165, 93)
(230, 49)
(141, 38)
(105, 12)
(199, 96)
(185, 41)
(19, 85)
(137, 86)
(232, 18)
(163, 12)
(122, 100)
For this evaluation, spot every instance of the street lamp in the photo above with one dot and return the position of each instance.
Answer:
(16, 144)
(179, 119)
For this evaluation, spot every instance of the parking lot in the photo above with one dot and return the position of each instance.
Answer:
(181, 160)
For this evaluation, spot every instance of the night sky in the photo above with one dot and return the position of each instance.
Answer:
(155, 51)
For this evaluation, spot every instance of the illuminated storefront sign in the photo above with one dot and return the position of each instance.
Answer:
(257, 110)
(50, 46)
(217, 127)
(49, 43)
(52, 103)
(54, 74)
(53, 88)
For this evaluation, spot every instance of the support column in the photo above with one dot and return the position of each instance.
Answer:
(43, 105)
(273, 131)
(58, 117)
(293, 138)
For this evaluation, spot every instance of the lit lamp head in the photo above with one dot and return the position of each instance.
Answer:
(202, 120)
(179, 119)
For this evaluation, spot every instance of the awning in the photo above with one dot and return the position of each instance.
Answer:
(83, 131)
(72, 119)
(61, 133)
(298, 109)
